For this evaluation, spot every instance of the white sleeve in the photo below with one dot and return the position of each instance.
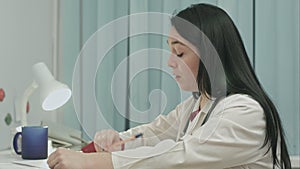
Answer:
(163, 127)
(233, 136)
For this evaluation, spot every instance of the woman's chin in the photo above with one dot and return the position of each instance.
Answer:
(188, 88)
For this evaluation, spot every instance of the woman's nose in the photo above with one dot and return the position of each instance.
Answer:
(171, 61)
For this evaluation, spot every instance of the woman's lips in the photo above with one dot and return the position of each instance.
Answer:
(177, 77)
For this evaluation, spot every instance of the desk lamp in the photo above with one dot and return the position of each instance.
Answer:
(53, 94)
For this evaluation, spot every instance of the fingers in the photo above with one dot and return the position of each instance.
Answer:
(100, 140)
(105, 139)
(98, 148)
(67, 159)
(55, 157)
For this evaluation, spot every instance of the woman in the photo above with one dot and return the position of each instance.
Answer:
(229, 122)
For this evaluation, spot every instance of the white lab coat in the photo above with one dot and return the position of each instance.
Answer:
(231, 138)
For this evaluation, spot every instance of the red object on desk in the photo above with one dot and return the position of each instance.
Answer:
(90, 148)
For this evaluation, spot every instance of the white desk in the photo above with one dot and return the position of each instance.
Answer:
(8, 160)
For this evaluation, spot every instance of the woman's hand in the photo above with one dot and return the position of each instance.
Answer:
(63, 159)
(68, 159)
(105, 140)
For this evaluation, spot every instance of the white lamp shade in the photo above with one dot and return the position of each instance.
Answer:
(53, 93)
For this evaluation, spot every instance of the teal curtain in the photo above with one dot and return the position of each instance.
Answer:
(277, 61)
(269, 30)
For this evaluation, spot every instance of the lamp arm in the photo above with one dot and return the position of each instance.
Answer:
(24, 99)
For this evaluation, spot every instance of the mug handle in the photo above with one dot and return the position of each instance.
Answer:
(15, 142)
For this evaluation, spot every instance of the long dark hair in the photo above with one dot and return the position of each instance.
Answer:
(239, 75)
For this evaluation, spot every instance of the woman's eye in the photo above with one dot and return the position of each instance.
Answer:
(180, 55)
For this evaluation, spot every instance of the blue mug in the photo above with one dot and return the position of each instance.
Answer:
(34, 144)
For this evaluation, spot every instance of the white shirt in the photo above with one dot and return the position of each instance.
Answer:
(231, 138)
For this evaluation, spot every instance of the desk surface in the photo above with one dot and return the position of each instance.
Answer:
(9, 160)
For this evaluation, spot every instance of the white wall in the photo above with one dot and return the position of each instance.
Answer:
(26, 37)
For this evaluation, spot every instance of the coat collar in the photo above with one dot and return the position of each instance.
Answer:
(200, 116)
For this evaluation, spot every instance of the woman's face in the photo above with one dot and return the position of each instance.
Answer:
(184, 61)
